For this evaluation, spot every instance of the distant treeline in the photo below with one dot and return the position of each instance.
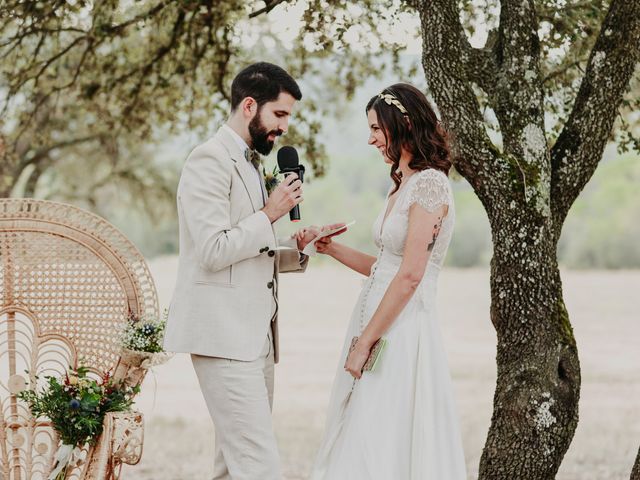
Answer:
(601, 231)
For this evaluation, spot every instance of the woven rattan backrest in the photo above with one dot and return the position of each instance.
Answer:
(68, 280)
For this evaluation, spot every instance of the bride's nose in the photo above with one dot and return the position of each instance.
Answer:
(372, 139)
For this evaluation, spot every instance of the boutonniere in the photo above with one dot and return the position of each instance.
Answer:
(270, 179)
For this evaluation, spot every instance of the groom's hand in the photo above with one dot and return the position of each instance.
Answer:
(305, 235)
(286, 195)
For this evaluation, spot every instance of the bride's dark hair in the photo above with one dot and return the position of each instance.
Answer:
(422, 135)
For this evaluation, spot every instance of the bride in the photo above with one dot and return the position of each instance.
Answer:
(398, 421)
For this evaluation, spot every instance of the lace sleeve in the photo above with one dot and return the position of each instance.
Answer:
(430, 190)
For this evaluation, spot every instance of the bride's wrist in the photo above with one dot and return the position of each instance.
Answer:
(331, 250)
(365, 342)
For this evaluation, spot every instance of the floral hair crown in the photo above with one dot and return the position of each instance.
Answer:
(390, 99)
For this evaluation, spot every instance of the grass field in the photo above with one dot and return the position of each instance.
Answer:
(604, 309)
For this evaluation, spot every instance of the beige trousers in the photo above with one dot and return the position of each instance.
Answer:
(239, 396)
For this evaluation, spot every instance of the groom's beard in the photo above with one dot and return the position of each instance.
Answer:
(260, 135)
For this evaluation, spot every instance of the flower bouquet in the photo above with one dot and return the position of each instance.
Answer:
(76, 408)
(141, 348)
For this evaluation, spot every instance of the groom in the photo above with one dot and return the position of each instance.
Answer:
(225, 304)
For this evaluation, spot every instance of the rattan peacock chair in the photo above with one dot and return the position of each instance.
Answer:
(68, 280)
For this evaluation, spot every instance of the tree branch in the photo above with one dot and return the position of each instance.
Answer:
(480, 67)
(45, 66)
(552, 13)
(518, 102)
(160, 54)
(561, 70)
(447, 78)
(610, 67)
(99, 31)
(18, 37)
(43, 153)
(269, 5)
(152, 12)
(34, 176)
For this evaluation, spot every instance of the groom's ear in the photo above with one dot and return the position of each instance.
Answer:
(249, 107)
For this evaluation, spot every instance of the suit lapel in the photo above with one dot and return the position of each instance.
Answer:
(243, 167)
(265, 195)
(248, 175)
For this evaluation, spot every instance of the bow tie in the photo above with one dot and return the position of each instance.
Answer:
(252, 157)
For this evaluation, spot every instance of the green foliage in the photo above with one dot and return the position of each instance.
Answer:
(567, 31)
(471, 242)
(77, 406)
(601, 230)
(86, 88)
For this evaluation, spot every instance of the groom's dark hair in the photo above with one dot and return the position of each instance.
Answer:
(263, 82)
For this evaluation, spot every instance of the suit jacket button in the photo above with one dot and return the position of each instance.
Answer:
(270, 285)
(271, 253)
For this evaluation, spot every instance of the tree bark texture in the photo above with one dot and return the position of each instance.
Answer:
(635, 473)
(526, 189)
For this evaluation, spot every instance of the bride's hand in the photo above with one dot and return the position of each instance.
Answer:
(356, 359)
(324, 244)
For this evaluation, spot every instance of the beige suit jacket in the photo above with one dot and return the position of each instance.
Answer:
(225, 299)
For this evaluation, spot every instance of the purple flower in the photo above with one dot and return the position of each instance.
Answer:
(74, 404)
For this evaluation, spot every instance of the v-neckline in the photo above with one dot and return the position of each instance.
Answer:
(389, 208)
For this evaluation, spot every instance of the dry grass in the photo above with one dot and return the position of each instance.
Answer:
(603, 308)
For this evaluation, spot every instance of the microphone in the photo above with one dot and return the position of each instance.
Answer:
(288, 162)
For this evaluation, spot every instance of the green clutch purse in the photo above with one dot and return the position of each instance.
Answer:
(374, 355)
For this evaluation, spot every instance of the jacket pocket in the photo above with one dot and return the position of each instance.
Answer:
(217, 284)
(222, 278)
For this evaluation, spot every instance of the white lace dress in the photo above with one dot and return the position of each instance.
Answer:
(398, 422)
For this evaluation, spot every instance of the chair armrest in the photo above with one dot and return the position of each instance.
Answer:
(120, 442)
(127, 436)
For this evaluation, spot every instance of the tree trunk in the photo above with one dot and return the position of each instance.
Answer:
(526, 191)
(538, 384)
(34, 176)
(7, 179)
(9, 167)
(635, 473)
